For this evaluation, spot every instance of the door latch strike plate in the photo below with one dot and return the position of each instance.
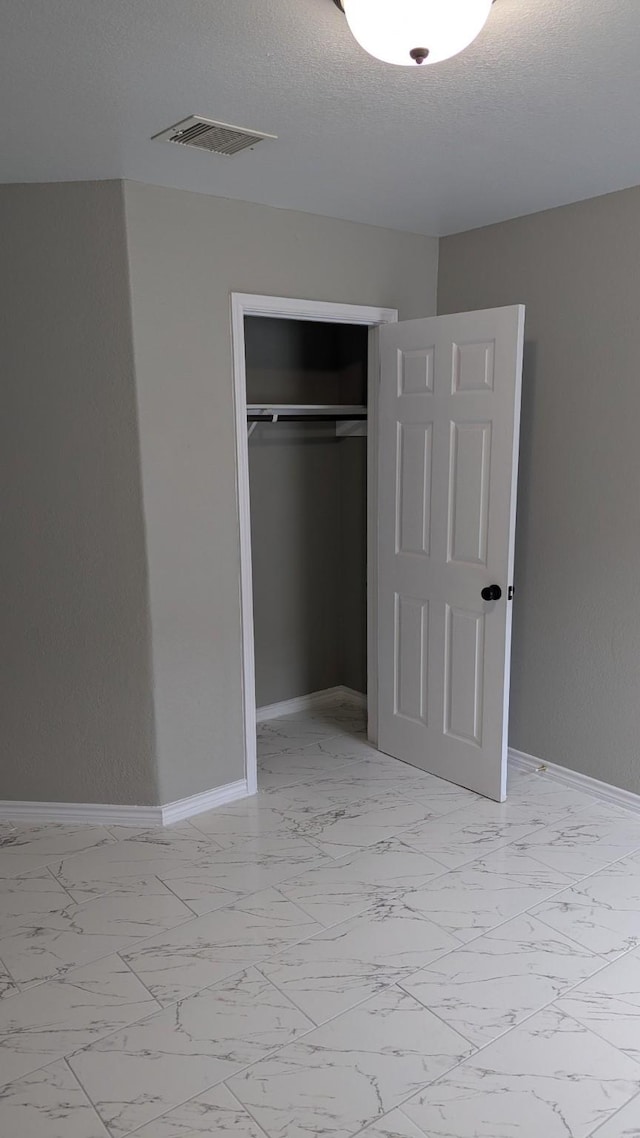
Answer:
(510, 593)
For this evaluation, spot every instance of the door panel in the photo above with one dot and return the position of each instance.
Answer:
(448, 443)
(463, 659)
(413, 483)
(411, 651)
(470, 451)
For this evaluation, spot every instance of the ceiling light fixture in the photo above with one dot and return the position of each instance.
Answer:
(411, 32)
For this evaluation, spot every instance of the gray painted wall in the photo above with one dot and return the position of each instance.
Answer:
(308, 511)
(353, 569)
(187, 253)
(75, 689)
(296, 557)
(576, 646)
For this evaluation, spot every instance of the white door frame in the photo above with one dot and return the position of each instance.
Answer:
(286, 308)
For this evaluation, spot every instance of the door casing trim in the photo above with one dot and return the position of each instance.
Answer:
(292, 308)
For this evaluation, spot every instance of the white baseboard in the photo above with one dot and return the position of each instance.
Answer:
(100, 814)
(200, 803)
(603, 791)
(307, 702)
(359, 698)
(81, 813)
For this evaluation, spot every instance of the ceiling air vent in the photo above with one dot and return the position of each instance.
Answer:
(216, 137)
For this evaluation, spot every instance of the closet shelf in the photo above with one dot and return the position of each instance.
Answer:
(276, 411)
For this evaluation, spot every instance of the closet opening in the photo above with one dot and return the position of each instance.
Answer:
(305, 418)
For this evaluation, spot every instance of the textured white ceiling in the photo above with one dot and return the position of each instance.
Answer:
(543, 109)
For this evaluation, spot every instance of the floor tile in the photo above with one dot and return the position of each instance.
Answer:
(441, 797)
(8, 987)
(48, 1104)
(601, 912)
(209, 1114)
(182, 962)
(255, 817)
(549, 1076)
(496, 981)
(317, 760)
(120, 833)
(181, 829)
(609, 1004)
(585, 843)
(516, 776)
(344, 965)
(393, 1125)
(557, 801)
(152, 1066)
(357, 825)
(51, 1020)
(350, 1072)
(294, 732)
(344, 711)
(325, 951)
(79, 934)
(476, 898)
(329, 792)
(220, 876)
(132, 863)
(624, 1124)
(338, 890)
(473, 832)
(27, 847)
(26, 897)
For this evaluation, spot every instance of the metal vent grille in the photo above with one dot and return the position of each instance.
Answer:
(216, 137)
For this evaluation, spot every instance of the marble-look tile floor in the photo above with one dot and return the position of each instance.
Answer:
(362, 949)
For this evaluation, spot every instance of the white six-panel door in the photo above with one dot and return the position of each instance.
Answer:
(449, 415)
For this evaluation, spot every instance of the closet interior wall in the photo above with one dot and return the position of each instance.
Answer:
(308, 490)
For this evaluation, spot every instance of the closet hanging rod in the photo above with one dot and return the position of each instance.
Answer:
(276, 411)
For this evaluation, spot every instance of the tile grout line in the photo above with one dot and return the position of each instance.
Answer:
(543, 1007)
(594, 1031)
(133, 972)
(370, 904)
(246, 1110)
(269, 1054)
(13, 980)
(606, 963)
(398, 983)
(87, 1096)
(333, 1018)
(257, 965)
(569, 884)
(334, 861)
(180, 899)
(272, 1053)
(612, 1117)
(192, 1098)
(65, 1056)
(537, 829)
(49, 870)
(478, 1051)
(599, 955)
(159, 1008)
(315, 743)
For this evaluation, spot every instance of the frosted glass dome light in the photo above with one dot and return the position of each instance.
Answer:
(410, 32)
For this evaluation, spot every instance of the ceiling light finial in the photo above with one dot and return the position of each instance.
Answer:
(389, 29)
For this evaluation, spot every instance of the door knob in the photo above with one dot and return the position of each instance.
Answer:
(491, 593)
